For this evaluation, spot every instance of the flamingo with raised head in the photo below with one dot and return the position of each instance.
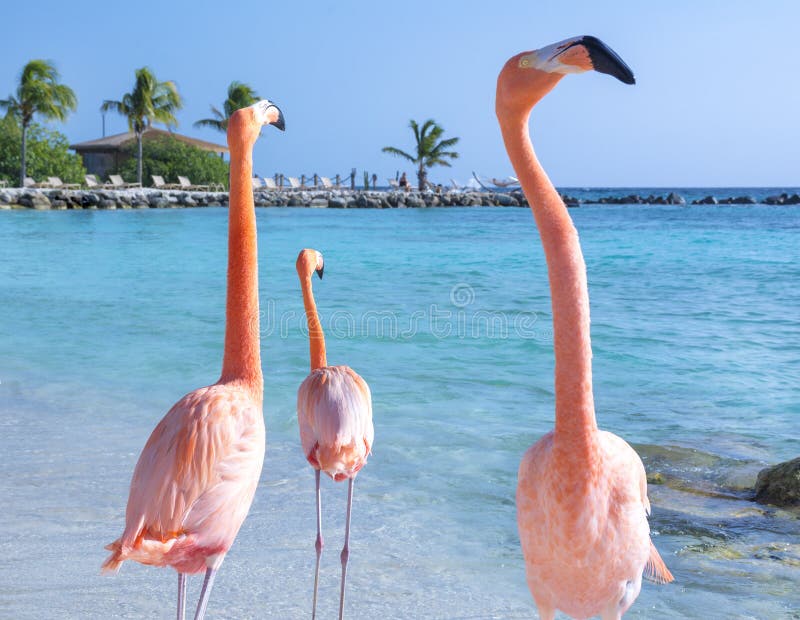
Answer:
(582, 502)
(196, 477)
(334, 413)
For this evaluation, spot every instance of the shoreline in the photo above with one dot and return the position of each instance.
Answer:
(151, 198)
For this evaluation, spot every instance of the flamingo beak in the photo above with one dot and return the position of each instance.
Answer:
(319, 271)
(605, 60)
(279, 122)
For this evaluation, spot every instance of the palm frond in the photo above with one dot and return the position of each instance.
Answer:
(394, 151)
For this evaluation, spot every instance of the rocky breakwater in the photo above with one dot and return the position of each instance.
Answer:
(44, 199)
(365, 199)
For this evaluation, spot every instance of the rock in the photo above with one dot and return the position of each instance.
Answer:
(319, 203)
(506, 200)
(34, 200)
(337, 203)
(158, 202)
(708, 200)
(59, 204)
(675, 199)
(188, 201)
(415, 202)
(107, 203)
(5, 198)
(90, 199)
(296, 201)
(779, 485)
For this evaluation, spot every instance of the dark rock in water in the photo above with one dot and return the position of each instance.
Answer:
(708, 200)
(107, 203)
(779, 485)
(675, 199)
(415, 202)
(506, 200)
(34, 200)
(158, 202)
(319, 203)
(744, 200)
(337, 203)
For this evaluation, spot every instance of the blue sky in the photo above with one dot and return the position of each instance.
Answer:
(716, 101)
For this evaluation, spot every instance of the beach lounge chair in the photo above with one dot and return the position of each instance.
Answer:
(91, 181)
(270, 183)
(117, 182)
(394, 184)
(158, 183)
(185, 183)
(326, 183)
(258, 183)
(294, 183)
(30, 182)
(57, 183)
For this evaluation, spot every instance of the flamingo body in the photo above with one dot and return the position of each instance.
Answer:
(587, 543)
(334, 412)
(212, 442)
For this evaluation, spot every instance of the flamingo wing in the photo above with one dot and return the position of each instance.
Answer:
(196, 477)
(334, 413)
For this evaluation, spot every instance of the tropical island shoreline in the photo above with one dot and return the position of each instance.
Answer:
(338, 198)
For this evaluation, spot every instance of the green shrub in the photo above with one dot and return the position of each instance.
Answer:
(48, 154)
(169, 158)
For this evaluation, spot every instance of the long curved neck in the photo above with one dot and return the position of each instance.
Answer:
(242, 360)
(316, 337)
(575, 419)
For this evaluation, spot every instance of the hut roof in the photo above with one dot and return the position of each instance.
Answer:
(121, 140)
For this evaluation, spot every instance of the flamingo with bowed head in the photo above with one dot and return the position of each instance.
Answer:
(582, 493)
(334, 413)
(196, 477)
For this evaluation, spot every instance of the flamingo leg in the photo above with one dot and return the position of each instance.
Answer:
(208, 583)
(181, 596)
(318, 545)
(346, 549)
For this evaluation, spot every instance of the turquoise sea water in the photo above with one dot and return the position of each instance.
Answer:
(109, 317)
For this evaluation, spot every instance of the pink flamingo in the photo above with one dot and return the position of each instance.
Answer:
(196, 477)
(582, 493)
(334, 413)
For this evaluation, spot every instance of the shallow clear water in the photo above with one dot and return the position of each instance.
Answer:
(109, 317)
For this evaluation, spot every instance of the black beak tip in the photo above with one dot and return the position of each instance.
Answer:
(319, 271)
(605, 60)
(280, 123)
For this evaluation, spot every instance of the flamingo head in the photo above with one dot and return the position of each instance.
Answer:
(308, 262)
(245, 124)
(528, 76)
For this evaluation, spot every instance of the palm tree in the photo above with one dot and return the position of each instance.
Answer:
(150, 100)
(240, 95)
(38, 93)
(430, 150)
